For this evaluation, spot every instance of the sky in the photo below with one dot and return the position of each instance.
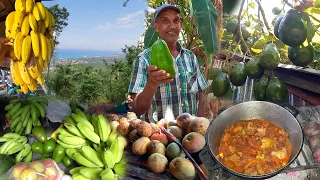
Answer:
(107, 25)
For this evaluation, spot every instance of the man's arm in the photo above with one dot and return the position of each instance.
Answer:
(201, 105)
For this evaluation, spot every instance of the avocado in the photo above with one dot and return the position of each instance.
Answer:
(254, 69)
(238, 74)
(301, 56)
(276, 27)
(245, 33)
(276, 91)
(220, 85)
(231, 26)
(259, 88)
(213, 72)
(292, 31)
(270, 57)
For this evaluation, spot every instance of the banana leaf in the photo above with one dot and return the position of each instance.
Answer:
(206, 19)
(150, 37)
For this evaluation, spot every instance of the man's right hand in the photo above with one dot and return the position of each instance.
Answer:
(155, 76)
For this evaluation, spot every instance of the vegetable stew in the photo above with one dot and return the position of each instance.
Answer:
(254, 147)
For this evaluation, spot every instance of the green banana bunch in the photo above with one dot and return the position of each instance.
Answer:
(120, 168)
(91, 173)
(78, 118)
(117, 149)
(14, 143)
(88, 133)
(92, 155)
(107, 174)
(108, 158)
(104, 128)
(75, 170)
(78, 157)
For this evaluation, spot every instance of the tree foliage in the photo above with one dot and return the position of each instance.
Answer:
(60, 15)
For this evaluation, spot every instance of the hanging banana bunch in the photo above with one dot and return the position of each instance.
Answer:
(31, 28)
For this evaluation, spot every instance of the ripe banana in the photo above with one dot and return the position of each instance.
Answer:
(24, 72)
(88, 133)
(15, 30)
(77, 118)
(91, 155)
(50, 49)
(9, 21)
(44, 48)
(41, 27)
(42, 10)
(25, 28)
(24, 88)
(72, 140)
(33, 22)
(17, 44)
(91, 173)
(14, 69)
(104, 128)
(36, 13)
(35, 42)
(47, 19)
(83, 161)
(107, 174)
(18, 17)
(20, 5)
(29, 5)
(74, 130)
(26, 49)
(108, 158)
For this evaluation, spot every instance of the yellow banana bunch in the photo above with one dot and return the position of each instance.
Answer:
(35, 43)
(26, 49)
(20, 5)
(24, 73)
(29, 5)
(42, 10)
(25, 28)
(44, 46)
(33, 22)
(14, 69)
(18, 45)
(9, 21)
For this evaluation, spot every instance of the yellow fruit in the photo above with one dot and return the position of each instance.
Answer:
(44, 46)
(47, 19)
(18, 45)
(24, 88)
(14, 69)
(49, 49)
(12, 55)
(20, 5)
(45, 65)
(18, 17)
(26, 49)
(29, 5)
(36, 13)
(42, 10)
(9, 21)
(40, 63)
(24, 72)
(35, 43)
(33, 22)
(15, 30)
(25, 29)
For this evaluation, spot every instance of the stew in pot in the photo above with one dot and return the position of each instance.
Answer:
(254, 147)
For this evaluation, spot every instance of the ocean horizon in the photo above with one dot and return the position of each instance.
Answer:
(82, 53)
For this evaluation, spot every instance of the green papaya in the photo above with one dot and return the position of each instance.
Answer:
(213, 72)
(220, 85)
(238, 74)
(276, 91)
(292, 31)
(254, 69)
(162, 58)
(276, 27)
(301, 56)
(270, 57)
(259, 88)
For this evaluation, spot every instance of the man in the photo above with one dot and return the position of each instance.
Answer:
(155, 94)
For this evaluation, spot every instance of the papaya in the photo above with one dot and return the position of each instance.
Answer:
(276, 91)
(220, 85)
(301, 56)
(276, 27)
(292, 31)
(270, 57)
(259, 88)
(254, 69)
(238, 74)
(162, 58)
(213, 72)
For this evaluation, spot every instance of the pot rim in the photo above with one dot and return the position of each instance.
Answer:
(269, 175)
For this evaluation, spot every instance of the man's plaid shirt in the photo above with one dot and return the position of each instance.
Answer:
(171, 99)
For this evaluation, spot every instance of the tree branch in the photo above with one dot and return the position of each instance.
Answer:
(239, 27)
(263, 15)
(289, 4)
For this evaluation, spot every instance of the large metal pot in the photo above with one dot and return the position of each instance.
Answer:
(246, 111)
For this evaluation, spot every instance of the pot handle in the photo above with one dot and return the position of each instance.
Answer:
(291, 109)
(209, 162)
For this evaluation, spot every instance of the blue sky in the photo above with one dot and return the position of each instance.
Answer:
(101, 24)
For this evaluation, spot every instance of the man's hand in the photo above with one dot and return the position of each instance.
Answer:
(155, 76)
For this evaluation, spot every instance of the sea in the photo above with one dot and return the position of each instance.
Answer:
(81, 53)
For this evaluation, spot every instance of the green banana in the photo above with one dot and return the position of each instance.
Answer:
(14, 109)
(25, 122)
(117, 150)
(94, 122)
(22, 139)
(108, 158)
(5, 146)
(73, 129)
(103, 127)
(64, 132)
(14, 122)
(91, 173)
(83, 161)
(39, 100)
(120, 168)
(112, 136)
(18, 113)
(78, 176)
(67, 146)
(19, 157)
(3, 139)
(70, 152)
(8, 107)
(69, 120)
(18, 128)
(28, 157)
(16, 147)
(34, 115)
(72, 140)
(82, 114)
(107, 174)
(75, 170)
(13, 101)
(41, 109)
(88, 133)
(25, 111)
(91, 155)
(77, 118)
(29, 127)
(11, 136)
(27, 149)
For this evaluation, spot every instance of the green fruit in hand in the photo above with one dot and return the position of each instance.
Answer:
(49, 145)
(270, 58)
(253, 69)
(259, 88)
(37, 147)
(276, 91)
(39, 133)
(301, 56)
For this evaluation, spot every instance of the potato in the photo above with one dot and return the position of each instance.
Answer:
(311, 129)
(144, 129)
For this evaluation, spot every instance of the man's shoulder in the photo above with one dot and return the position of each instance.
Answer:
(145, 52)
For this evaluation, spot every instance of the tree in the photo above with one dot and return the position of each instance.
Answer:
(61, 16)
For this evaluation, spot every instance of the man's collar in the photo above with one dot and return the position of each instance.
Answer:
(181, 48)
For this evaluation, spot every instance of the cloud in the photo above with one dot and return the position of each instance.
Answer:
(128, 21)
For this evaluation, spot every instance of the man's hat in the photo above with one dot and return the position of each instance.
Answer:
(163, 7)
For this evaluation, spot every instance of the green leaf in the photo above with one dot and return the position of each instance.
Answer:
(206, 19)
(150, 37)
(259, 45)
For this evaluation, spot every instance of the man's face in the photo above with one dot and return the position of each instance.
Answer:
(168, 24)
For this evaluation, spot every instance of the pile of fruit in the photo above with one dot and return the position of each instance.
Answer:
(24, 114)
(147, 139)
(14, 143)
(31, 28)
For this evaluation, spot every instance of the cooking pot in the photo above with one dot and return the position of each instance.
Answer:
(274, 113)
